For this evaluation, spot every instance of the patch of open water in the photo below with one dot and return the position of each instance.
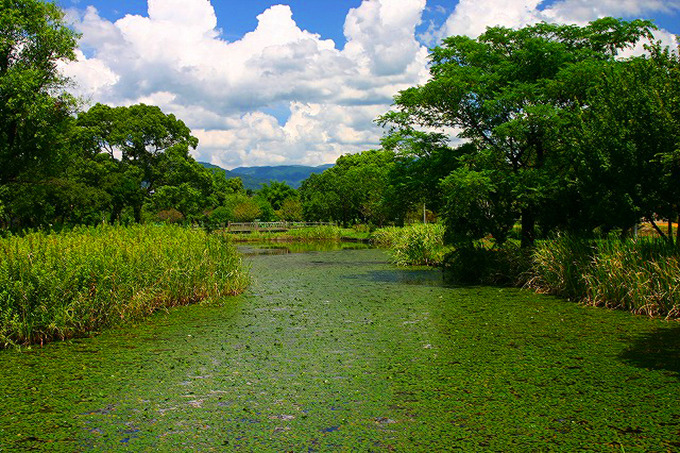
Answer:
(340, 350)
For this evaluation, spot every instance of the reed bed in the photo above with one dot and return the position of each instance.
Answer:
(70, 284)
(642, 276)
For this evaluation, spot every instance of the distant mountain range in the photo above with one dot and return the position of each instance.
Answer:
(254, 177)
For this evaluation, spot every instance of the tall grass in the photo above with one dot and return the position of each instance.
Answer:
(58, 286)
(418, 244)
(642, 276)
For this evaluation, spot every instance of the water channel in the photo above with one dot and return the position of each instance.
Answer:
(340, 350)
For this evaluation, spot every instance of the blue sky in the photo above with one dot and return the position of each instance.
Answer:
(261, 83)
(325, 17)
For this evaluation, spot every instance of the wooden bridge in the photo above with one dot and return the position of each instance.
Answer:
(249, 227)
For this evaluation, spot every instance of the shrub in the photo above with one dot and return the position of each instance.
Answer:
(418, 244)
(386, 237)
(559, 266)
(642, 276)
(326, 232)
(478, 265)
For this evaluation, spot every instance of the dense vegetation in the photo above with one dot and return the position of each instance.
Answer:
(57, 286)
(563, 136)
(63, 167)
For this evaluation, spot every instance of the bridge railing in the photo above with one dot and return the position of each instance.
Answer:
(246, 227)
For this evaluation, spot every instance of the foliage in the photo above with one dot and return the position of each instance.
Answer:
(291, 210)
(513, 93)
(337, 195)
(316, 233)
(247, 211)
(628, 141)
(414, 245)
(642, 276)
(276, 193)
(421, 161)
(35, 112)
(62, 285)
(386, 237)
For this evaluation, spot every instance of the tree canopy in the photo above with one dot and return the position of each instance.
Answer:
(515, 95)
(35, 111)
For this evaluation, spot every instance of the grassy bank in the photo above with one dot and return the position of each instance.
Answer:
(58, 286)
(642, 276)
(320, 233)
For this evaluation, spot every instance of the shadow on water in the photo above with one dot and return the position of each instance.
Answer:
(418, 277)
(657, 350)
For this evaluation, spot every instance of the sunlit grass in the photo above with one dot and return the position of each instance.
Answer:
(58, 286)
(318, 233)
(417, 244)
(642, 276)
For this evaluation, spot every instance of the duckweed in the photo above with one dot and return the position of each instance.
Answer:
(342, 351)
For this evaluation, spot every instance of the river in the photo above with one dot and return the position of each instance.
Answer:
(342, 351)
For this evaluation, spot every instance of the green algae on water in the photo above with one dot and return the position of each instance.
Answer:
(341, 351)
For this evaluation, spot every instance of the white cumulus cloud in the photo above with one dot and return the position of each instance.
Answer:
(175, 57)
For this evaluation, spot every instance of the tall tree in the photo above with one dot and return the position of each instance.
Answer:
(144, 137)
(508, 92)
(35, 111)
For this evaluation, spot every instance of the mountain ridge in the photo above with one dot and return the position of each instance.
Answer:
(254, 177)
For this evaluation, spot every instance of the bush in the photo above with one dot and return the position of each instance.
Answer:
(559, 266)
(418, 244)
(58, 286)
(386, 237)
(327, 232)
(478, 265)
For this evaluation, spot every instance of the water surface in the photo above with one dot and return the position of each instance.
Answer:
(342, 351)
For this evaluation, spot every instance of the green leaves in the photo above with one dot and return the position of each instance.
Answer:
(519, 97)
(34, 111)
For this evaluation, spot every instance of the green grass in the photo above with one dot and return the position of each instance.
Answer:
(642, 276)
(63, 285)
(414, 245)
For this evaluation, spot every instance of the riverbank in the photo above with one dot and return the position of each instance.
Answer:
(641, 276)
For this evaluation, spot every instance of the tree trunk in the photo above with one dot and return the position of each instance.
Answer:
(138, 213)
(528, 225)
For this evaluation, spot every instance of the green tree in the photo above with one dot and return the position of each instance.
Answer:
(351, 191)
(276, 193)
(512, 92)
(144, 137)
(628, 143)
(422, 160)
(291, 210)
(35, 111)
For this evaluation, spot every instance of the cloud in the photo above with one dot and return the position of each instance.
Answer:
(471, 17)
(176, 58)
